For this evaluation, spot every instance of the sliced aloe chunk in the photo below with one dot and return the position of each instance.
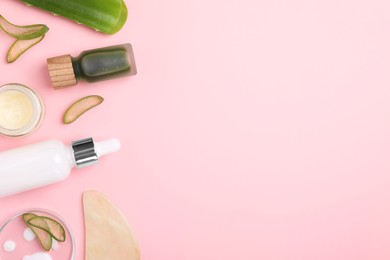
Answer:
(26, 32)
(21, 46)
(44, 237)
(80, 107)
(107, 16)
(53, 227)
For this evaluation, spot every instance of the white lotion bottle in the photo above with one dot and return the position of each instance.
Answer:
(48, 162)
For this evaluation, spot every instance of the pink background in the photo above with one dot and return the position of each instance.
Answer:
(254, 129)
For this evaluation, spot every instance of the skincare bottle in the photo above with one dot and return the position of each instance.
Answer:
(92, 65)
(44, 163)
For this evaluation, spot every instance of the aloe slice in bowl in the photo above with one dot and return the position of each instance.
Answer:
(21, 46)
(80, 107)
(43, 236)
(15, 225)
(107, 16)
(51, 226)
(26, 32)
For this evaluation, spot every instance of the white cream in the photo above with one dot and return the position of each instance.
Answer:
(54, 245)
(28, 234)
(16, 110)
(21, 110)
(38, 256)
(9, 246)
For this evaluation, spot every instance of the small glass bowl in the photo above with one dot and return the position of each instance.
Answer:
(37, 106)
(13, 230)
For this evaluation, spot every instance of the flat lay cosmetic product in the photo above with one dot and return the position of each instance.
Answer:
(92, 65)
(44, 163)
(21, 110)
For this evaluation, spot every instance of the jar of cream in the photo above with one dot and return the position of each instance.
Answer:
(21, 110)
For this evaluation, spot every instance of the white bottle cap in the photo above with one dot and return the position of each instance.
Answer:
(107, 146)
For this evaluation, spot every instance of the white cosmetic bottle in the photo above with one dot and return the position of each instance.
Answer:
(44, 163)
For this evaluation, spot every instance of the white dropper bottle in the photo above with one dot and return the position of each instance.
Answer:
(44, 163)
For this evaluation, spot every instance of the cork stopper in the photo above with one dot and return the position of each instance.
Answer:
(61, 71)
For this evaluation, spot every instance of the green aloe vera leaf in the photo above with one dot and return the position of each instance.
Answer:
(21, 46)
(107, 16)
(26, 32)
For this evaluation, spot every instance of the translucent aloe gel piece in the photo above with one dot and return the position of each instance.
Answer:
(25, 32)
(107, 16)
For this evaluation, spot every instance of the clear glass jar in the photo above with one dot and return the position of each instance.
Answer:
(21, 110)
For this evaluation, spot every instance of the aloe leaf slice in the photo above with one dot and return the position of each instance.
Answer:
(80, 107)
(51, 226)
(107, 16)
(44, 237)
(21, 46)
(26, 32)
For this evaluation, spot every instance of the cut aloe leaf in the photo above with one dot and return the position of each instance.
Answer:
(27, 216)
(107, 16)
(44, 237)
(80, 107)
(22, 32)
(21, 46)
(53, 227)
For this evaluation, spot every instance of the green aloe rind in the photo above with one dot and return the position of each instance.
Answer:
(26, 32)
(21, 46)
(44, 238)
(107, 16)
(26, 37)
(81, 106)
(51, 226)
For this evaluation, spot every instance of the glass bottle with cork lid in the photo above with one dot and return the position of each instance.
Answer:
(92, 66)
